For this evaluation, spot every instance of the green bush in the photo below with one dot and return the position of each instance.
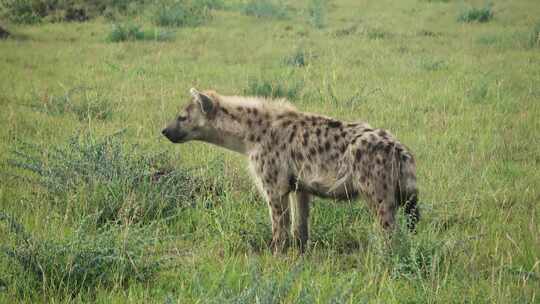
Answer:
(183, 13)
(472, 14)
(534, 36)
(33, 11)
(81, 262)
(133, 32)
(265, 9)
(109, 180)
(317, 13)
(281, 88)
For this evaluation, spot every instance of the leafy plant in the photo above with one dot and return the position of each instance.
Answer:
(265, 9)
(112, 181)
(317, 13)
(183, 13)
(472, 14)
(284, 88)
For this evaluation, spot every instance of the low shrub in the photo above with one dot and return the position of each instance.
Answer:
(107, 179)
(184, 13)
(317, 13)
(534, 36)
(133, 32)
(472, 14)
(81, 262)
(265, 9)
(280, 88)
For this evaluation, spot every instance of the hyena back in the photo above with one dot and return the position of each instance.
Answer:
(295, 155)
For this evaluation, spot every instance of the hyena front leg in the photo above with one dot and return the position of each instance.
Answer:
(300, 218)
(280, 216)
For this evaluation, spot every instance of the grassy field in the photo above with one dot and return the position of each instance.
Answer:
(97, 206)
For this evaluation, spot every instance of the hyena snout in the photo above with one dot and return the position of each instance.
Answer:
(174, 135)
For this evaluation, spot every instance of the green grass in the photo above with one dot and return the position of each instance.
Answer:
(96, 206)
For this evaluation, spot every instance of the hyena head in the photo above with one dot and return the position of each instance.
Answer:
(195, 123)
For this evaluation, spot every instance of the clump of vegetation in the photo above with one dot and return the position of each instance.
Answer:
(109, 180)
(299, 58)
(184, 13)
(317, 13)
(84, 102)
(133, 32)
(431, 64)
(534, 36)
(265, 9)
(281, 88)
(376, 33)
(32, 11)
(81, 262)
(472, 14)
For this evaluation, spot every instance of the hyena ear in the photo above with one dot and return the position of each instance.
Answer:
(205, 102)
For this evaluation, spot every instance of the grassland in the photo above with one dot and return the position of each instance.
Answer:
(97, 207)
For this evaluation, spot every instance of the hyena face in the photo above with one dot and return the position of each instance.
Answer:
(194, 123)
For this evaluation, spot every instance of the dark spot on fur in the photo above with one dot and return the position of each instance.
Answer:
(255, 112)
(336, 137)
(327, 146)
(239, 109)
(312, 151)
(358, 155)
(335, 124)
(343, 134)
(303, 123)
(286, 123)
(318, 132)
(225, 111)
(251, 137)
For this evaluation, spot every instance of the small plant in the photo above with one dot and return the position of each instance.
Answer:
(472, 14)
(265, 9)
(184, 13)
(534, 36)
(299, 58)
(110, 180)
(376, 33)
(129, 32)
(317, 13)
(430, 64)
(133, 32)
(81, 262)
(284, 88)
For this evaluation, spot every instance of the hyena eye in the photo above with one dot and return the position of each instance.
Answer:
(181, 118)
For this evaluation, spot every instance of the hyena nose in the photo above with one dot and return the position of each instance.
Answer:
(164, 132)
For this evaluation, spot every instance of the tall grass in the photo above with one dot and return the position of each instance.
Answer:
(111, 257)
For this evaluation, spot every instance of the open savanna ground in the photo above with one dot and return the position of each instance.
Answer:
(97, 206)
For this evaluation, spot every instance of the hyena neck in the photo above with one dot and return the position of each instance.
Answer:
(240, 124)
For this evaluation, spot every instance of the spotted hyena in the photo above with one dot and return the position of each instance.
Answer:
(294, 155)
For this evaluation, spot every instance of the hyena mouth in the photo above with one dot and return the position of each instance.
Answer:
(175, 137)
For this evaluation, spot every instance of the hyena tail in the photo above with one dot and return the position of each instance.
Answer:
(406, 190)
